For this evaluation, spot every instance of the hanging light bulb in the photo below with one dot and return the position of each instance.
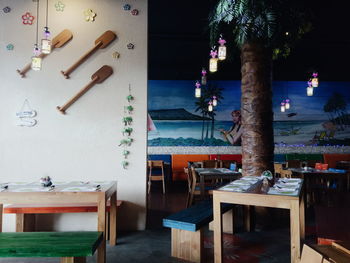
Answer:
(36, 59)
(287, 105)
(222, 48)
(213, 62)
(215, 101)
(283, 107)
(204, 77)
(314, 80)
(210, 106)
(46, 42)
(198, 90)
(309, 89)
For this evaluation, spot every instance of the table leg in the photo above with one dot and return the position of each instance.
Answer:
(101, 226)
(113, 220)
(1, 208)
(294, 231)
(302, 216)
(249, 218)
(201, 186)
(217, 230)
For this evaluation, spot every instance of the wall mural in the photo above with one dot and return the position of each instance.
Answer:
(177, 118)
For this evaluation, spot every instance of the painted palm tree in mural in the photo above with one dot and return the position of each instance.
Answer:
(211, 91)
(262, 30)
(202, 106)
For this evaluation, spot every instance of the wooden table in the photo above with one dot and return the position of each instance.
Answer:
(313, 177)
(214, 173)
(66, 193)
(256, 197)
(337, 252)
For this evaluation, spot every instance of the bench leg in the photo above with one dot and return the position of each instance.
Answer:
(25, 222)
(1, 208)
(73, 260)
(187, 245)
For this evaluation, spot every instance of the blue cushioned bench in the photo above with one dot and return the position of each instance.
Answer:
(187, 230)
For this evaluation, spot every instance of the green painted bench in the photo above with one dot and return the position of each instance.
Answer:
(71, 247)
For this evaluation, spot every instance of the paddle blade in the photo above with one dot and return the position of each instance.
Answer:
(62, 38)
(103, 73)
(106, 38)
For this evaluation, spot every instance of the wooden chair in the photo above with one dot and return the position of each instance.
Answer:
(189, 178)
(286, 173)
(227, 163)
(294, 163)
(278, 169)
(195, 186)
(151, 177)
(210, 164)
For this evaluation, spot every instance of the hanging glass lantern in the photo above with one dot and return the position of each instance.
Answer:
(283, 106)
(287, 105)
(309, 89)
(46, 42)
(198, 90)
(314, 80)
(215, 101)
(213, 62)
(204, 77)
(210, 106)
(36, 60)
(222, 48)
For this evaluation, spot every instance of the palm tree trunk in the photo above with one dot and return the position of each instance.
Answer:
(212, 127)
(257, 114)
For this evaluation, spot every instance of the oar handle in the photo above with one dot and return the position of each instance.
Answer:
(77, 96)
(81, 60)
(27, 67)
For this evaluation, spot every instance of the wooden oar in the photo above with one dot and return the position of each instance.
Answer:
(98, 77)
(104, 40)
(58, 41)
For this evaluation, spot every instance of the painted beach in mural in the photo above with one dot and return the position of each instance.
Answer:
(177, 118)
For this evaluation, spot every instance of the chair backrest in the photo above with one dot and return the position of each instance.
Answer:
(189, 177)
(210, 164)
(227, 163)
(155, 164)
(294, 163)
(286, 173)
(278, 168)
(194, 176)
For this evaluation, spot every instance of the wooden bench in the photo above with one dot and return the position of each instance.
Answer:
(71, 247)
(26, 214)
(187, 230)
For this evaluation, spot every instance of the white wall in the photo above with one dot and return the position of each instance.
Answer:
(82, 145)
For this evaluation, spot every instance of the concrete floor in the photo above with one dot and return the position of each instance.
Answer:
(152, 246)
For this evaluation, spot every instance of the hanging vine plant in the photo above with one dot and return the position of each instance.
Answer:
(127, 129)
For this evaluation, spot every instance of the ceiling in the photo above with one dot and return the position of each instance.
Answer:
(179, 44)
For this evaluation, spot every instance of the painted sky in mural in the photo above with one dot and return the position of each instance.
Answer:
(172, 103)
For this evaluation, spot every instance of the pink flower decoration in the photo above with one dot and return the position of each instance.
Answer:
(222, 41)
(197, 85)
(135, 12)
(315, 74)
(204, 72)
(213, 53)
(28, 19)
